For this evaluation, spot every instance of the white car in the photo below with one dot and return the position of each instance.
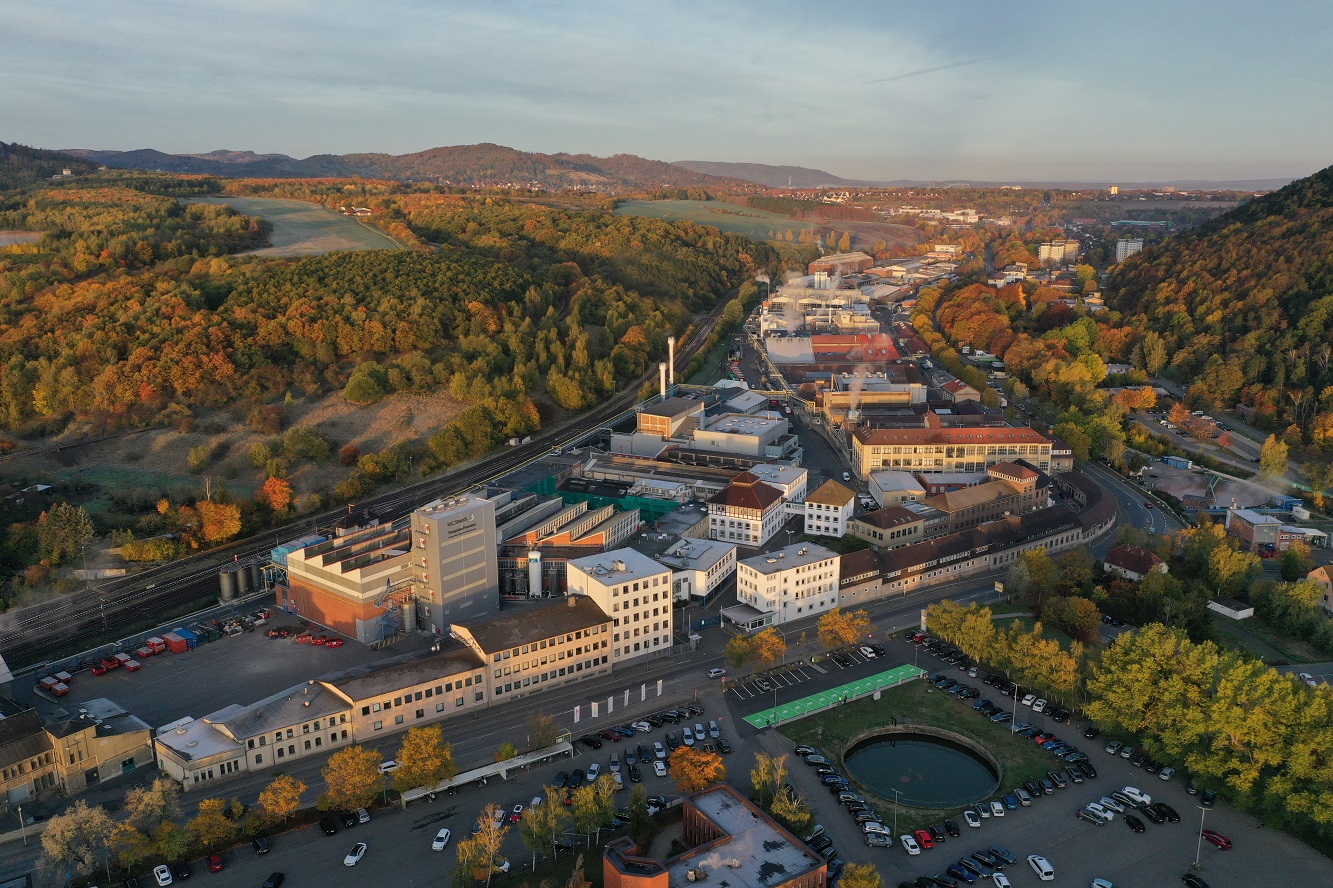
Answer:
(1042, 867)
(717, 672)
(971, 817)
(1000, 880)
(1137, 796)
(593, 771)
(1029, 699)
(620, 781)
(1039, 706)
(1166, 773)
(362, 815)
(996, 809)
(659, 768)
(659, 751)
(910, 845)
(441, 839)
(699, 732)
(388, 766)
(501, 867)
(868, 653)
(642, 727)
(688, 737)
(1111, 804)
(163, 875)
(1102, 883)
(354, 856)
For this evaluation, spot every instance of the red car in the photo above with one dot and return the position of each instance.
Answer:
(1147, 505)
(334, 643)
(609, 734)
(923, 839)
(215, 863)
(303, 638)
(1221, 841)
(99, 669)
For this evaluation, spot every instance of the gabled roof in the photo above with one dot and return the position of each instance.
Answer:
(1132, 558)
(957, 385)
(831, 493)
(884, 519)
(1014, 470)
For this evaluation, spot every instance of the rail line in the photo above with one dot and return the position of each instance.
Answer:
(29, 635)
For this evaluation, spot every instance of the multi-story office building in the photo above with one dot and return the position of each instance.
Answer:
(454, 560)
(789, 584)
(635, 591)
(828, 510)
(938, 449)
(1126, 247)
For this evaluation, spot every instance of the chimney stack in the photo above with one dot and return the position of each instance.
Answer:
(662, 374)
(671, 360)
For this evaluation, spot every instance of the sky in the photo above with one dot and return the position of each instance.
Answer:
(1050, 91)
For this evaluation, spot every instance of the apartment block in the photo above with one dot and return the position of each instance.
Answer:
(635, 591)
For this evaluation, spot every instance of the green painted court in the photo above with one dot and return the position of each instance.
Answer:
(833, 696)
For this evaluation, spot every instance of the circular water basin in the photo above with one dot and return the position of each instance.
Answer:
(926, 771)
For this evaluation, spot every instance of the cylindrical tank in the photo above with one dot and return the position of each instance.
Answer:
(256, 582)
(534, 574)
(410, 615)
(243, 587)
(227, 584)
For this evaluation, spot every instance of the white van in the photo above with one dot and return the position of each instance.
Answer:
(713, 730)
(1042, 867)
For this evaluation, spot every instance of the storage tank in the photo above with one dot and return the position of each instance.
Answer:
(534, 574)
(243, 587)
(226, 584)
(256, 577)
(409, 610)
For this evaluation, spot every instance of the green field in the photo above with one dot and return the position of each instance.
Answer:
(754, 224)
(301, 228)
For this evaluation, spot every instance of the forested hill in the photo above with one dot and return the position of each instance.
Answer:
(483, 164)
(1244, 306)
(21, 165)
(765, 174)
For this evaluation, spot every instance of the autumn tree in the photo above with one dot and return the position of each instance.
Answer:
(770, 648)
(541, 825)
(130, 845)
(424, 759)
(276, 493)
(1273, 457)
(505, 751)
(593, 806)
(767, 776)
(860, 875)
(280, 799)
(218, 522)
(792, 810)
(1076, 617)
(482, 850)
(170, 841)
(739, 651)
(63, 532)
(211, 828)
(838, 627)
(74, 840)
(1296, 562)
(150, 805)
(694, 768)
(351, 779)
(543, 731)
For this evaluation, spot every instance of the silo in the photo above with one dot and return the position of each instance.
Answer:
(409, 610)
(535, 574)
(243, 587)
(227, 584)
(256, 577)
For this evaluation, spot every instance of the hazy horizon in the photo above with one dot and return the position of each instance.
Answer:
(1139, 92)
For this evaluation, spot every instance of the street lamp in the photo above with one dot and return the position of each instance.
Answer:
(23, 827)
(1198, 848)
(896, 793)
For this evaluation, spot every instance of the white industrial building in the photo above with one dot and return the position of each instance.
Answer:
(789, 584)
(746, 512)
(636, 591)
(698, 567)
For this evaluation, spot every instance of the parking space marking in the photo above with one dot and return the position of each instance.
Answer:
(833, 696)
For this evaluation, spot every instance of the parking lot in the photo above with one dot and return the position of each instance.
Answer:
(233, 669)
(783, 677)
(1077, 850)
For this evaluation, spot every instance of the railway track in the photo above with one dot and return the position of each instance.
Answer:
(109, 610)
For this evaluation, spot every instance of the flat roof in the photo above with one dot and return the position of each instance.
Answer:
(281, 710)
(694, 554)
(795, 555)
(197, 739)
(773, 473)
(896, 481)
(526, 624)
(766, 854)
(387, 676)
(742, 424)
(673, 407)
(618, 566)
(1249, 516)
(881, 437)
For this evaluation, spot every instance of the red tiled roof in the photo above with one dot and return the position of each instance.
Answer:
(1132, 558)
(894, 516)
(1014, 470)
(747, 492)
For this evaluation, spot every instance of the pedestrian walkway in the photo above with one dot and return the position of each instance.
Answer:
(784, 712)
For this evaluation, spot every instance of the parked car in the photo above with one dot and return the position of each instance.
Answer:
(717, 672)
(970, 818)
(660, 768)
(1042, 867)
(162, 874)
(1135, 823)
(215, 863)
(441, 839)
(910, 845)
(274, 880)
(1207, 798)
(1214, 837)
(354, 856)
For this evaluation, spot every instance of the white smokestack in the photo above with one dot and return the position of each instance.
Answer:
(671, 360)
(661, 372)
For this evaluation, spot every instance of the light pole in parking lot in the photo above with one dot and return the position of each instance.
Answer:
(896, 793)
(1017, 688)
(1198, 848)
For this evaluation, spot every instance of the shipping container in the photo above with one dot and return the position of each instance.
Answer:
(175, 643)
(60, 689)
(191, 639)
(64, 677)
(157, 644)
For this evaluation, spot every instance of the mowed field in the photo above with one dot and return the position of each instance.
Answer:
(301, 228)
(754, 224)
